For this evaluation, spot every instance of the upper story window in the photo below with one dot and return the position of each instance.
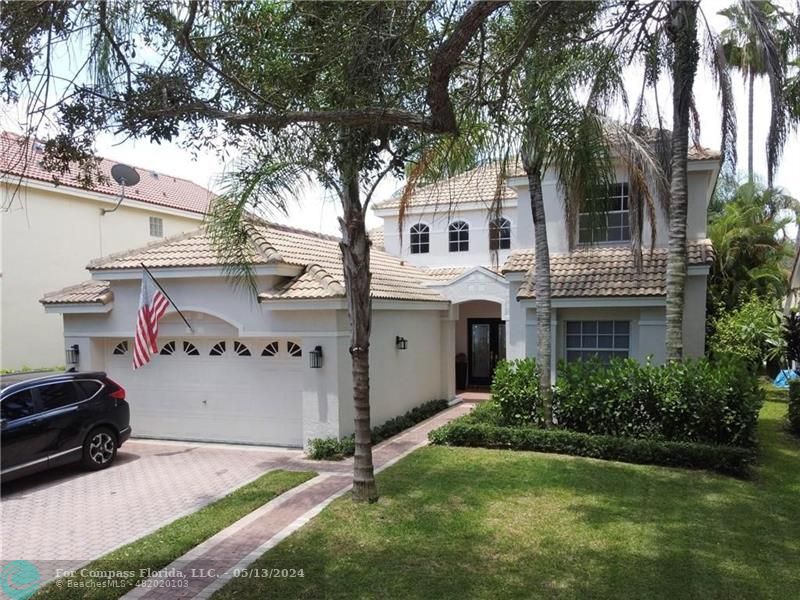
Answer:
(500, 234)
(156, 227)
(610, 225)
(459, 236)
(420, 239)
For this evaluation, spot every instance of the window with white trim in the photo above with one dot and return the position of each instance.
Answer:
(217, 349)
(270, 349)
(500, 234)
(420, 239)
(458, 233)
(190, 349)
(168, 349)
(598, 339)
(294, 349)
(240, 349)
(611, 219)
(156, 227)
(121, 349)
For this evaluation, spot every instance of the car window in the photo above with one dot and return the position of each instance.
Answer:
(17, 406)
(57, 395)
(87, 388)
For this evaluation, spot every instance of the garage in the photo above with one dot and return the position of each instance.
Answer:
(214, 389)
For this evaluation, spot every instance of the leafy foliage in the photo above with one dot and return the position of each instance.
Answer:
(690, 401)
(752, 332)
(791, 336)
(515, 387)
(337, 449)
(723, 459)
(794, 406)
(746, 228)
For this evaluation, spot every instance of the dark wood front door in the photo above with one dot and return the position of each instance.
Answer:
(487, 345)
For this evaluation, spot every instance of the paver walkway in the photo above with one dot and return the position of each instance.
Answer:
(206, 568)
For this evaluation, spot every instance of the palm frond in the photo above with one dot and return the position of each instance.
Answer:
(255, 189)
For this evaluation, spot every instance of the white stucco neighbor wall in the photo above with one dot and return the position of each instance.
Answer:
(47, 237)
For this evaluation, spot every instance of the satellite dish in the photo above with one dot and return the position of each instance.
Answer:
(124, 175)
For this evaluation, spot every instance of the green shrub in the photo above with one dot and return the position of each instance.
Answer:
(794, 406)
(690, 401)
(515, 387)
(723, 459)
(337, 449)
(753, 332)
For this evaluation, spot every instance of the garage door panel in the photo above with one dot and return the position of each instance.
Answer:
(231, 398)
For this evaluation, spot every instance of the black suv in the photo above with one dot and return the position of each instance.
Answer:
(59, 419)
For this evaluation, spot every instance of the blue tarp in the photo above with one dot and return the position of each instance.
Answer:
(784, 377)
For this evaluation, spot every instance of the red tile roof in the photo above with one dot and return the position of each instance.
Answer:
(21, 159)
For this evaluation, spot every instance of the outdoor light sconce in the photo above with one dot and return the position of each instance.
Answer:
(401, 343)
(315, 358)
(72, 354)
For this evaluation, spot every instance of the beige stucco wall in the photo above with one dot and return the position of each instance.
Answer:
(48, 237)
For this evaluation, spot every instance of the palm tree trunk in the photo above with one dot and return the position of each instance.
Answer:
(751, 79)
(542, 286)
(355, 256)
(684, 68)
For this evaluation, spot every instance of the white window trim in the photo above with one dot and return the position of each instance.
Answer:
(612, 349)
(419, 244)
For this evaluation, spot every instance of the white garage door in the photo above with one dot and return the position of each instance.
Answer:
(227, 390)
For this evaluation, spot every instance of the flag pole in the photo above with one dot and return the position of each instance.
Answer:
(178, 310)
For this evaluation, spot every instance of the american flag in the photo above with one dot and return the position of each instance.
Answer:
(152, 306)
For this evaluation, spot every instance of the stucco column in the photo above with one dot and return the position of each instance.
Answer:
(447, 352)
(553, 344)
(320, 390)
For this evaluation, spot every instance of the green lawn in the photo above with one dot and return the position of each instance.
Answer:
(473, 523)
(163, 546)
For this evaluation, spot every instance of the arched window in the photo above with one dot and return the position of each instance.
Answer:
(168, 348)
(217, 349)
(420, 239)
(241, 349)
(270, 349)
(294, 350)
(459, 236)
(500, 234)
(121, 348)
(190, 349)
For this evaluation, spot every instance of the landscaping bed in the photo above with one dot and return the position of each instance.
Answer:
(160, 548)
(694, 414)
(476, 523)
(337, 449)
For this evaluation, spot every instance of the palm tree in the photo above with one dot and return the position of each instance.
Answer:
(745, 50)
(668, 37)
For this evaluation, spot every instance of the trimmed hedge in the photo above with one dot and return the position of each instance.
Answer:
(722, 459)
(794, 406)
(695, 401)
(337, 449)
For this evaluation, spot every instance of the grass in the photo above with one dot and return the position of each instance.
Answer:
(172, 541)
(476, 523)
(27, 369)
(772, 393)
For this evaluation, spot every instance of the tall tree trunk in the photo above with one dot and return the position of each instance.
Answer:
(684, 67)
(355, 256)
(544, 348)
(751, 79)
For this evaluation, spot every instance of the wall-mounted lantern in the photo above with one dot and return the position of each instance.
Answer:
(400, 343)
(315, 358)
(72, 354)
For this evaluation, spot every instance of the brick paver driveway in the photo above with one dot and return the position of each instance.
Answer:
(66, 517)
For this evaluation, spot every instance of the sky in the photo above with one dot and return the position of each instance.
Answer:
(317, 210)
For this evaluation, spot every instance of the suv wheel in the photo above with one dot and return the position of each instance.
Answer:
(99, 449)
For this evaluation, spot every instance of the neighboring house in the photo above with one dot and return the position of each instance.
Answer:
(247, 371)
(458, 284)
(50, 232)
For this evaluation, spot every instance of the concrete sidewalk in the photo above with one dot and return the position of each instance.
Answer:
(205, 569)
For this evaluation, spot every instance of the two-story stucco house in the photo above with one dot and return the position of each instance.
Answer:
(274, 367)
(602, 305)
(50, 232)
